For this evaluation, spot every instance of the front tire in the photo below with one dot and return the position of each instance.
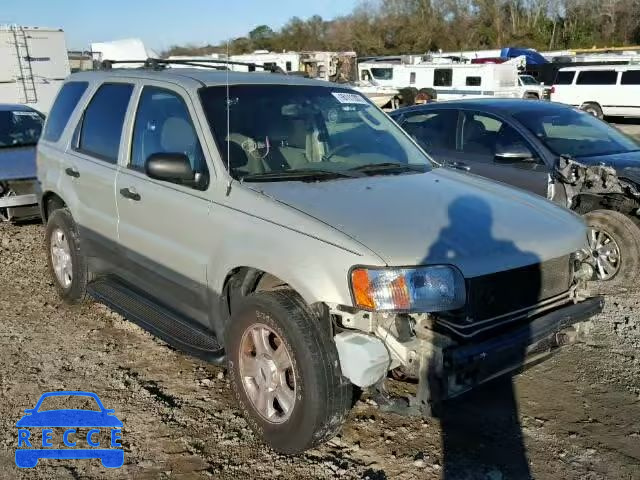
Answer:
(285, 372)
(614, 248)
(67, 264)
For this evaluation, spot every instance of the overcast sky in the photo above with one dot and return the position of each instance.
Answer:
(162, 23)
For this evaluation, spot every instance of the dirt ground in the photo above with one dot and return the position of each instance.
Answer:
(576, 416)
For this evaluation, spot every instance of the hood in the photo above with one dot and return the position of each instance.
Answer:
(627, 165)
(438, 217)
(18, 163)
(69, 418)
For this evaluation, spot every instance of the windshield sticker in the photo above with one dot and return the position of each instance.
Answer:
(344, 97)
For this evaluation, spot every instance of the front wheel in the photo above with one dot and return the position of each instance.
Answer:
(613, 247)
(285, 372)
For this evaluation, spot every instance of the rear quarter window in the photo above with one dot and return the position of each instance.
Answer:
(63, 107)
(630, 77)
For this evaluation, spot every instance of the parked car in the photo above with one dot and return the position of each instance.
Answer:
(20, 128)
(612, 90)
(553, 150)
(288, 227)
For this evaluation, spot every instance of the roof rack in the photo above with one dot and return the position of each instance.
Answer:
(161, 63)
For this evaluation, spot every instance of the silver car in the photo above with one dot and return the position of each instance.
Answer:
(290, 229)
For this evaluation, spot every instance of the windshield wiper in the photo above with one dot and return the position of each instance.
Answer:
(389, 167)
(304, 174)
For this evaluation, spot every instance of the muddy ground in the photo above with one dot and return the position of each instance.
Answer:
(576, 416)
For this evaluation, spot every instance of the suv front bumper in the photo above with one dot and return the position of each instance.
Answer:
(453, 370)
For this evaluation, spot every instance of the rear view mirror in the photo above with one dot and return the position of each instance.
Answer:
(170, 167)
(515, 152)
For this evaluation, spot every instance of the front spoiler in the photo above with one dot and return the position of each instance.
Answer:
(456, 369)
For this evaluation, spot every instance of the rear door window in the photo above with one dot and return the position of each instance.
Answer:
(597, 77)
(564, 78)
(63, 107)
(103, 120)
(434, 130)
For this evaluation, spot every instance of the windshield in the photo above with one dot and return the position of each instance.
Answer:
(528, 80)
(19, 128)
(572, 132)
(285, 130)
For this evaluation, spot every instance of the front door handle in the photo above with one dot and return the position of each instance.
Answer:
(130, 193)
(72, 172)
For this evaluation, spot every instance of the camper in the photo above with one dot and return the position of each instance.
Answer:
(612, 90)
(34, 64)
(450, 81)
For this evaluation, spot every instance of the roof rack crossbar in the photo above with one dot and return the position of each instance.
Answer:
(159, 63)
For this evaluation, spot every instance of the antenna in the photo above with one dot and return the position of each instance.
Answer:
(228, 128)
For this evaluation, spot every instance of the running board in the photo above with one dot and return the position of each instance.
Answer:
(177, 331)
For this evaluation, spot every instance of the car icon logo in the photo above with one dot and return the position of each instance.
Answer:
(32, 448)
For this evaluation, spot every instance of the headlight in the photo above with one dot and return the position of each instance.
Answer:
(423, 289)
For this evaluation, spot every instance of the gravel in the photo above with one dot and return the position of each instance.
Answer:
(575, 416)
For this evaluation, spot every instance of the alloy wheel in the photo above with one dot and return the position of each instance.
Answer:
(267, 374)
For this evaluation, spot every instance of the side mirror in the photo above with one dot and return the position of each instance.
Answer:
(170, 167)
(513, 153)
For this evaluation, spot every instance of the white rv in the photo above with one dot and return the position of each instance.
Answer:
(34, 64)
(600, 90)
(450, 80)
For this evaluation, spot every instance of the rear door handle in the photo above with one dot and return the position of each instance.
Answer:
(130, 193)
(72, 172)
(460, 166)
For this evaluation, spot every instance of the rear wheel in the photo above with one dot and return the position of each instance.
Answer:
(285, 372)
(613, 247)
(593, 109)
(67, 264)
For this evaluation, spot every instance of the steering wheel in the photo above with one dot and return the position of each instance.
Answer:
(327, 156)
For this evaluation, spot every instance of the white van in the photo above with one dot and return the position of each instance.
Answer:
(600, 90)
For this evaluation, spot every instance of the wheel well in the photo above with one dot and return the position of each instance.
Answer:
(586, 203)
(243, 281)
(51, 202)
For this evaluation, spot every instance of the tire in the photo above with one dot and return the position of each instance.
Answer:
(75, 291)
(626, 234)
(321, 396)
(531, 96)
(593, 109)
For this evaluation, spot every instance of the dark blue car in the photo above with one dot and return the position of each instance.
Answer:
(27, 456)
(552, 150)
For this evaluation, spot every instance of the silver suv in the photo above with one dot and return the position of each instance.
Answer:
(289, 228)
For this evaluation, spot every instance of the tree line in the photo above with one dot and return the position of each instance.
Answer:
(390, 27)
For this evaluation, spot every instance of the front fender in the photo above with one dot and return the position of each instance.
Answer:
(315, 269)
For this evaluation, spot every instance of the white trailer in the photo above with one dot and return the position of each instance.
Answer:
(449, 80)
(34, 64)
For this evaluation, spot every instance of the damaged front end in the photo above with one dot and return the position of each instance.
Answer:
(575, 184)
(18, 200)
(510, 320)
